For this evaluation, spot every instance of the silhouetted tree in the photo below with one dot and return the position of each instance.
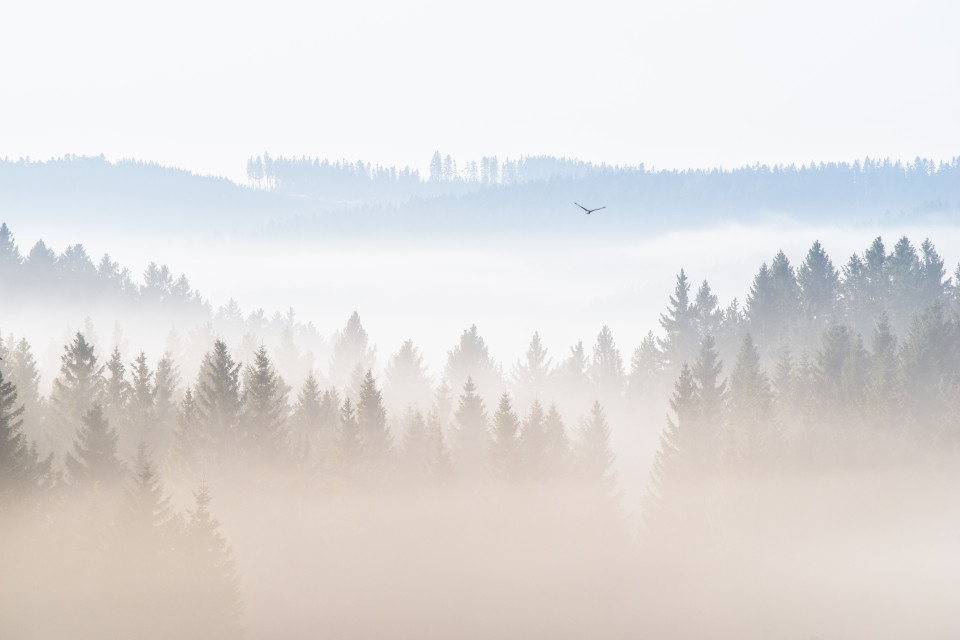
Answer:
(94, 457)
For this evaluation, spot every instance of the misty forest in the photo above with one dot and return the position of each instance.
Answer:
(782, 465)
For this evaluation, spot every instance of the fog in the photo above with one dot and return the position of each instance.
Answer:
(725, 478)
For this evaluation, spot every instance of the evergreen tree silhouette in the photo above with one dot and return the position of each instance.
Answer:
(94, 458)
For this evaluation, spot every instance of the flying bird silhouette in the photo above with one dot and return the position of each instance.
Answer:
(589, 211)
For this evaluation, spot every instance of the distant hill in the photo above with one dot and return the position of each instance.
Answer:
(313, 196)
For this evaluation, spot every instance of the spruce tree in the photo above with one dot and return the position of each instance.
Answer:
(471, 438)
(217, 395)
(752, 442)
(883, 395)
(21, 369)
(21, 469)
(94, 457)
(679, 323)
(606, 369)
(533, 441)
(305, 422)
(818, 282)
(141, 405)
(530, 375)
(470, 359)
(349, 440)
(556, 446)
(406, 381)
(372, 420)
(706, 310)
(504, 458)
(213, 604)
(350, 352)
(594, 457)
(115, 398)
(74, 393)
(263, 413)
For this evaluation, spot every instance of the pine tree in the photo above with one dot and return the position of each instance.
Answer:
(21, 369)
(305, 422)
(217, 395)
(556, 446)
(679, 323)
(594, 457)
(706, 311)
(349, 440)
(213, 604)
(351, 353)
(752, 442)
(416, 450)
(818, 282)
(471, 359)
(883, 395)
(21, 469)
(504, 458)
(116, 396)
(712, 391)
(74, 392)
(606, 369)
(471, 438)
(439, 464)
(94, 457)
(141, 405)
(406, 381)
(264, 410)
(906, 284)
(372, 420)
(166, 380)
(531, 374)
(533, 441)
(10, 258)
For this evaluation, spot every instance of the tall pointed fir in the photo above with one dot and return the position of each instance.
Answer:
(594, 457)
(74, 392)
(533, 442)
(906, 284)
(556, 446)
(406, 381)
(606, 369)
(679, 324)
(305, 423)
(349, 441)
(350, 353)
(470, 359)
(213, 605)
(530, 375)
(20, 367)
(372, 420)
(471, 438)
(115, 398)
(883, 396)
(94, 459)
(416, 449)
(752, 437)
(166, 380)
(22, 471)
(141, 406)
(818, 282)
(264, 410)
(504, 458)
(217, 396)
(706, 310)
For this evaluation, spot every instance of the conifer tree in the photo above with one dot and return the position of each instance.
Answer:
(94, 457)
(530, 375)
(706, 310)
(439, 465)
(213, 602)
(712, 391)
(166, 380)
(594, 457)
(906, 284)
(556, 446)
(533, 441)
(351, 353)
(471, 438)
(606, 369)
(504, 458)
(349, 440)
(21, 469)
(679, 323)
(141, 405)
(217, 396)
(406, 381)
(305, 421)
(752, 434)
(883, 395)
(416, 450)
(21, 369)
(646, 366)
(263, 413)
(372, 420)
(74, 392)
(116, 396)
(470, 359)
(818, 282)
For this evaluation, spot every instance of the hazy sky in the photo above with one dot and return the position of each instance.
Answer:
(203, 85)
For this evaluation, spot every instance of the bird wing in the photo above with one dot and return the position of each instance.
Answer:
(598, 208)
(582, 207)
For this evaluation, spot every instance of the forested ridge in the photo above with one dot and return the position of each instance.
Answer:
(819, 370)
(490, 196)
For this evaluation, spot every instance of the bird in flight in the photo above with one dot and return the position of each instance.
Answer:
(589, 211)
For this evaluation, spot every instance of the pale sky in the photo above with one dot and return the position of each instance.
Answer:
(203, 85)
